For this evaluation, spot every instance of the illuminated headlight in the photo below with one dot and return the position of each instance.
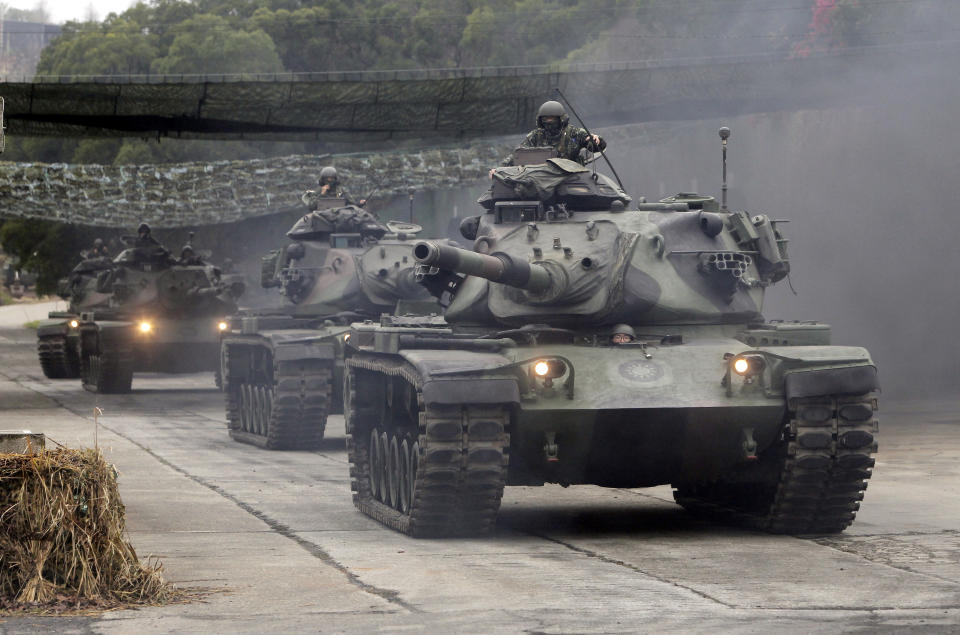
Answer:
(222, 326)
(145, 327)
(74, 324)
(549, 368)
(747, 365)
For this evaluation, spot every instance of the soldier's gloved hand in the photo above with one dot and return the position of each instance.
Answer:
(362, 202)
(325, 188)
(492, 170)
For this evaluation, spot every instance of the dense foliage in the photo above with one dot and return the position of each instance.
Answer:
(46, 248)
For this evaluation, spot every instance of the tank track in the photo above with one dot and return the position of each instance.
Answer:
(825, 460)
(440, 476)
(288, 414)
(108, 372)
(56, 359)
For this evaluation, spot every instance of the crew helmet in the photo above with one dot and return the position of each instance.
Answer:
(552, 109)
(143, 228)
(328, 172)
(622, 333)
(98, 243)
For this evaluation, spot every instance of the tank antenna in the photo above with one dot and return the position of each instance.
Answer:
(724, 135)
(411, 191)
(570, 106)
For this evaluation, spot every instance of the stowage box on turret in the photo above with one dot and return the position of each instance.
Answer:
(283, 367)
(163, 316)
(592, 340)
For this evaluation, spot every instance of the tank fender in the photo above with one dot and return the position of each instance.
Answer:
(300, 344)
(289, 351)
(113, 336)
(470, 377)
(849, 380)
(49, 328)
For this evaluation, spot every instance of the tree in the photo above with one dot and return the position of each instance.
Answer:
(116, 47)
(207, 44)
(47, 248)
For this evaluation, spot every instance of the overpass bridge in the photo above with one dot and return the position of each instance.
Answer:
(434, 106)
(443, 126)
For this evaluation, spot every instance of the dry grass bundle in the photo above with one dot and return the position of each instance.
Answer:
(62, 534)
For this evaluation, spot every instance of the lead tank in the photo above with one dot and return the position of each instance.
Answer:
(521, 384)
(163, 315)
(58, 337)
(283, 366)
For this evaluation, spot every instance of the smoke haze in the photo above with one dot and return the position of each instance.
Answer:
(869, 190)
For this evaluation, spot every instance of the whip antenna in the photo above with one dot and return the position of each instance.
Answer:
(582, 123)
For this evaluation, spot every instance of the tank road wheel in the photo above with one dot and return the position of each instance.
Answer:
(376, 467)
(393, 471)
(403, 488)
(55, 357)
(106, 372)
(422, 469)
(811, 482)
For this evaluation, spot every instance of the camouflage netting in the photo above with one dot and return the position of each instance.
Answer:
(190, 194)
(62, 534)
(436, 104)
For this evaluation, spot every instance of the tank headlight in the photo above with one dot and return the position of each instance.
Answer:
(145, 327)
(222, 326)
(748, 365)
(549, 368)
(74, 324)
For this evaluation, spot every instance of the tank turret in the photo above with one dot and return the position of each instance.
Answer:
(344, 259)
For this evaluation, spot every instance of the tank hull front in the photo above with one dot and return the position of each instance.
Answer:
(436, 431)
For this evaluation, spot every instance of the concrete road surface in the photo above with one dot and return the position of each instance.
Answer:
(276, 535)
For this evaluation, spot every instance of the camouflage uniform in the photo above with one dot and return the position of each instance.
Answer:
(310, 197)
(567, 142)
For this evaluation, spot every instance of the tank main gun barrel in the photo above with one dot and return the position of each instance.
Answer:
(498, 267)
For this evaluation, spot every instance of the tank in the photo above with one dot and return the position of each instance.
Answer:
(58, 337)
(162, 316)
(590, 339)
(283, 366)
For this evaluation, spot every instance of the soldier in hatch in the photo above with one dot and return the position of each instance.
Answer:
(329, 188)
(554, 130)
(188, 257)
(144, 239)
(622, 334)
(99, 250)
